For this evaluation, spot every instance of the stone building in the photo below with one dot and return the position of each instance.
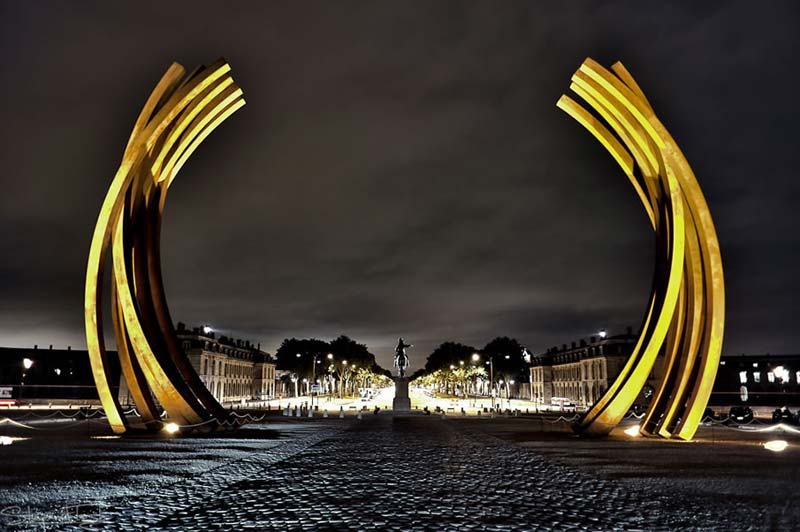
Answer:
(757, 380)
(233, 370)
(582, 372)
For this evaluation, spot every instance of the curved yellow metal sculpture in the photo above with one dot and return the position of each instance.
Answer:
(180, 112)
(684, 319)
(686, 314)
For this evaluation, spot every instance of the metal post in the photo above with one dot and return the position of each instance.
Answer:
(313, 380)
(491, 378)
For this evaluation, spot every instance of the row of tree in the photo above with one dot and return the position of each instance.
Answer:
(340, 366)
(458, 369)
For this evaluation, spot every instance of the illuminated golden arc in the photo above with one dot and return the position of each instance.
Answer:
(179, 114)
(685, 317)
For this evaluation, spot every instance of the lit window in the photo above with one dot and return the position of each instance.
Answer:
(743, 377)
(756, 376)
(770, 376)
(755, 364)
(797, 376)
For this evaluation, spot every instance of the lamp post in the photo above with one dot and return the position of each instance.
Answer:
(475, 358)
(342, 371)
(27, 364)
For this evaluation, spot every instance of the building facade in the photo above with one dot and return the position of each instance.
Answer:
(581, 372)
(757, 380)
(232, 370)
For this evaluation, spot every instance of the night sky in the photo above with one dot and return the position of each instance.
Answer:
(400, 168)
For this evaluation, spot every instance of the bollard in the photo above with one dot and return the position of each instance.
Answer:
(325, 413)
(341, 411)
(479, 413)
(310, 413)
(463, 412)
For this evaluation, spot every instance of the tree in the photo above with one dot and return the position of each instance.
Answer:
(448, 354)
(287, 355)
(509, 364)
(297, 356)
(344, 348)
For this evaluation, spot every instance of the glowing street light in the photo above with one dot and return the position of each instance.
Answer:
(172, 428)
(207, 329)
(475, 357)
(632, 431)
(330, 356)
(602, 333)
(27, 363)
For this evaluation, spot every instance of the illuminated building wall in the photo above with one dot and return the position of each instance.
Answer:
(232, 370)
(583, 370)
(757, 380)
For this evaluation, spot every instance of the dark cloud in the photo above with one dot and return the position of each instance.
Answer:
(400, 168)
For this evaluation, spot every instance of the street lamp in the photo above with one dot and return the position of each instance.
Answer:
(490, 362)
(602, 333)
(27, 363)
(207, 329)
(342, 374)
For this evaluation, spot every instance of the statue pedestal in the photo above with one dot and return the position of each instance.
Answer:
(401, 402)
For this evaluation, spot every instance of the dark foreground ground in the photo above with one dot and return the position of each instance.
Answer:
(413, 473)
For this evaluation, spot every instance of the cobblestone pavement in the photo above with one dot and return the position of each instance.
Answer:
(414, 473)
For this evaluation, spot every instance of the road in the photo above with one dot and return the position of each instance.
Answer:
(410, 473)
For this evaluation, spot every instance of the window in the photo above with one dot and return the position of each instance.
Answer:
(743, 377)
(770, 376)
(797, 376)
(756, 376)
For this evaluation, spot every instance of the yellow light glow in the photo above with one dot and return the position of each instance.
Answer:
(106, 437)
(632, 431)
(776, 445)
(172, 428)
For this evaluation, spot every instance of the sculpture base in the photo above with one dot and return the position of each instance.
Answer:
(401, 402)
